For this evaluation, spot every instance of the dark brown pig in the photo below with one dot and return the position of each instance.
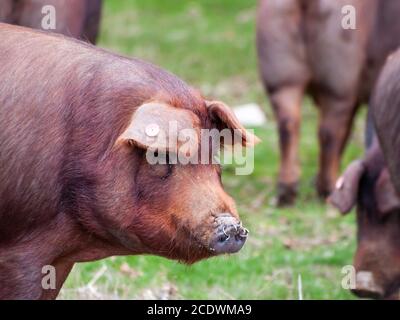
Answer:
(75, 181)
(75, 18)
(366, 184)
(303, 48)
(386, 114)
(373, 185)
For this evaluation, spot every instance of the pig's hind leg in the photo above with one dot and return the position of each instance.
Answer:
(285, 74)
(336, 118)
(286, 103)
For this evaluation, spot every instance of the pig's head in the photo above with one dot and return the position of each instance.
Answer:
(173, 209)
(366, 184)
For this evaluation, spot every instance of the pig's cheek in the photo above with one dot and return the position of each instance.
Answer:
(154, 225)
(205, 229)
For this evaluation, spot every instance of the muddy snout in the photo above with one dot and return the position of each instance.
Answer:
(366, 286)
(229, 235)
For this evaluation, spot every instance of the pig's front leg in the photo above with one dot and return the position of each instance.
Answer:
(336, 118)
(20, 276)
(62, 270)
(28, 274)
(29, 283)
(286, 103)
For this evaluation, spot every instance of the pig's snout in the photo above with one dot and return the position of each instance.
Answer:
(366, 286)
(229, 235)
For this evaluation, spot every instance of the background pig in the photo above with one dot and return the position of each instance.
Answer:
(375, 187)
(373, 184)
(75, 18)
(385, 111)
(302, 47)
(75, 183)
(367, 184)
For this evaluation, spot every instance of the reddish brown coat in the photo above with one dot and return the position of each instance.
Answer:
(71, 190)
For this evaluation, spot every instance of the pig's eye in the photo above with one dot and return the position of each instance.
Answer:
(169, 168)
(162, 171)
(169, 171)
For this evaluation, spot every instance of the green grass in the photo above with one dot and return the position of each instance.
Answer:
(210, 44)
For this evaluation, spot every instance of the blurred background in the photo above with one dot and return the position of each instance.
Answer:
(211, 45)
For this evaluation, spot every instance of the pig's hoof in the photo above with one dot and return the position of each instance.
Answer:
(287, 194)
(324, 189)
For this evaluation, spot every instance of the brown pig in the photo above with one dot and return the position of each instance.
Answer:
(305, 46)
(75, 18)
(76, 185)
(385, 110)
(373, 185)
(366, 184)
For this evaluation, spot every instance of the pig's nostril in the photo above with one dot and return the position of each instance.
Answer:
(244, 233)
(229, 236)
(224, 238)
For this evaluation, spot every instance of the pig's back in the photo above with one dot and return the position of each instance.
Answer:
(43, 78)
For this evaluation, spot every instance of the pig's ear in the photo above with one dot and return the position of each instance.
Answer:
(153, 122)
(386, 196)
(224, 117)
(344, 195)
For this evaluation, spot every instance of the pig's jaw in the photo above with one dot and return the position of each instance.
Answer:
(222, 234)
(392, 291)
(225, 235)
(379, 277)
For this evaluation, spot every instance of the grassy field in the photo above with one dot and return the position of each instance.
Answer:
(210, 44)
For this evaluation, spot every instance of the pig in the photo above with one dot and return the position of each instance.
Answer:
(372, 184)
(305, 46)
(385, 114)
(75, 181)
(75, 18)
(367, 185)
